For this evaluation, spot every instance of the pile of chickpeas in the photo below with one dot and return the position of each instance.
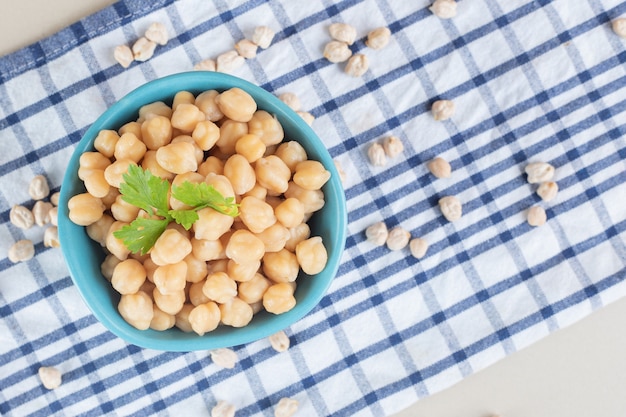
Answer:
(224, 269)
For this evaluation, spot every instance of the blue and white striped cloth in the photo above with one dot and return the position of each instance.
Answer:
(533, 80)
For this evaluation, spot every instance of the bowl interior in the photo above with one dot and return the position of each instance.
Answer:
(84, 256)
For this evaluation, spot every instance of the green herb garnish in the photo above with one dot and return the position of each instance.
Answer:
(150, 193)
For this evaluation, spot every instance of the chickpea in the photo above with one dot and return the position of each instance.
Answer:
(312, 200)
(242, 272)
(150, 163)
(252, 291)
(108, 266)
(115, 245)
(206, 133)
(205, 317)
(186, 117)
(257, 191)
(156, 132)
(290, 212)
(150, 267)
(196, 295)
(266, 127)
(211, 224)
(240, 174)
(206, 102)
(272, 173)
(183, 97)
(128, 276)
(95, 182)
(230, 132)
(161, 320)
(170, 248)
(219, 287)
(296, 235)
(171, 278)
(196, 268)
(278, 298)
(274, 237)
(129, 147)
(123, 210)
(256, 214)
(177, 157)
(114, 173)
(281, 266)
(311, 175)
(105, 142)
(244, 247)
(182, 318)
(221, 183)
(158, 108)
(92, 160)
(169, 303)
(207, 250)
(236, 313)
(250, 147)
(197, 152)
(131, 127)
(312, 255)
(291, 153)
(236, 104)
(85, 209)
(211, 165)
(136, 309)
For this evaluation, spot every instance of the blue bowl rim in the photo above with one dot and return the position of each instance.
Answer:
(165, 88)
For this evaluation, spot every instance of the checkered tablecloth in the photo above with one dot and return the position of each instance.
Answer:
(532, 80)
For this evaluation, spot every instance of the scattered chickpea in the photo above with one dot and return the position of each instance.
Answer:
(539, 172)
(342, 32)
(418, 247)
(223, 409)
(440, 168)
(336, 51)
(21, 251)
(143, 49)
(51, 237)
(357, 65)
(444, 9)
(229, 62)
(537, 216)
(279, 341)
(246, 48)
(286, 407)
(206, 65)
(451, 208)
(377, 233)
(376, 155)
(398, 238)
(38, 188)
(443, 109)
(123, 55)
(50, 377)
(54, 198)
(291, 100)
(378, 38)
(393, 146)
(263, 36)
(21, 217)
(342, 174)
(157, 33)
(619, 27)
(224, 357)
(547, 190)
(306, 116)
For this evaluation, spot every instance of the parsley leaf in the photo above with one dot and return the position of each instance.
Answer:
(203, 195)
(146, 191)
(141, 234)
(184, 217)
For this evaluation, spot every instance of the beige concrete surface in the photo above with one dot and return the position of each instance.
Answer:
(576, 372)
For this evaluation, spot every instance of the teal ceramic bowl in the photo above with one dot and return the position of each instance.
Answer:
(84, 256)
